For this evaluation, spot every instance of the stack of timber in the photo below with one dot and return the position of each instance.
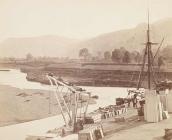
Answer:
(105, 113)
(112, 111)
(157, 105)
(169, 101)
(93, 117)
(166, 100)
(92, 132)
(163, 98)
(153, 106)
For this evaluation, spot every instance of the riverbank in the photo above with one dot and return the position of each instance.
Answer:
(22, 105)
(89, 74)
(96, 78)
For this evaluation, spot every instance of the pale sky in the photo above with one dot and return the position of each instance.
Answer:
(76, 18)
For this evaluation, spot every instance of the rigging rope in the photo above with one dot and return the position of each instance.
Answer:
(142, 69)
(153, 71)
(158, 49)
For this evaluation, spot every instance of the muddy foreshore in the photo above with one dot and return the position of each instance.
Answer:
(22, 105)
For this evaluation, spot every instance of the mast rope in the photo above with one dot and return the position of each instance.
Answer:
(153, 71)
(142, 69)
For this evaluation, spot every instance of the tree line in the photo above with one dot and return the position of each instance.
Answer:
(120, 55)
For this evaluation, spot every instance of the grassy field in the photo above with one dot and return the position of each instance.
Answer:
(90, 73)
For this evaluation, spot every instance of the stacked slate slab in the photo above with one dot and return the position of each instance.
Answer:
(153, 106)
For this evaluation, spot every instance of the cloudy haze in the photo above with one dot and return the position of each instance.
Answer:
(75, 18)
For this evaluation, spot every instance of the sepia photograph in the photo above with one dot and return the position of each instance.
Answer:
(85, 70)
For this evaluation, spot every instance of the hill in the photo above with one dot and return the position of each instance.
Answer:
(38, 46)
(131, 39)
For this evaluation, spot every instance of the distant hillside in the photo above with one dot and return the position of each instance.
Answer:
(131, 39)
(37, 46)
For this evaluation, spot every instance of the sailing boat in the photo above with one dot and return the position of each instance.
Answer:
(148, 61)
(154, 108)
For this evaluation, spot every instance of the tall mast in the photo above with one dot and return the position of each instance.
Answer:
(149, 57)
(149, 53)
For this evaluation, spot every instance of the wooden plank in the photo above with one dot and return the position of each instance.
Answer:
(169, 101)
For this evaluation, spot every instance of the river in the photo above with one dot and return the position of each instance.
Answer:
(17, 79)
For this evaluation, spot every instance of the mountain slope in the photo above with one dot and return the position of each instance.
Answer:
(131, 39)
(37, 46)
